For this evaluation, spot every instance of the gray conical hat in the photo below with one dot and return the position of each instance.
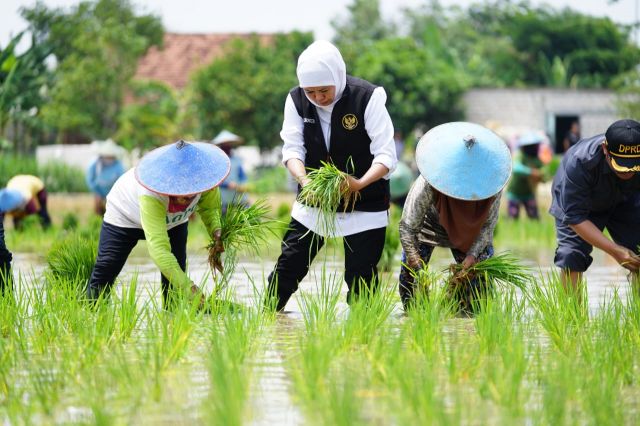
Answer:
(227, 138)
(464, 160)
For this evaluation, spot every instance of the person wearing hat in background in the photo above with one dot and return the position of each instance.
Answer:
(27, 195)
(596, 187)
(455, 201)
(103, 172)
(154, 201)
(234, 185)
(527, 173)
(334, 117)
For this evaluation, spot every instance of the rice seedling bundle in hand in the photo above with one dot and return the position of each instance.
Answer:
(242, 227)
(502, 268)
(328, 189)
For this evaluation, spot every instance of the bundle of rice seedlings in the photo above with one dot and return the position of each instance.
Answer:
(501, 269)
(327, 190)
(243, 227)
(71, 258)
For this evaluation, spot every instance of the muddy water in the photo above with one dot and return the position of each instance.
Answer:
(272, 398)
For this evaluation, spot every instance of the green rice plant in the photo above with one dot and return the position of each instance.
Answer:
(327, 190)
(12, 164)
(72, 258)
(233, 340)
(126, 306)
(502, 269)
(243, 228)
(69, 222)
(368, 313)
(391, 241)
(526, 234)
(561, 312)
(267, 180)
(497, 318)
(320, 309)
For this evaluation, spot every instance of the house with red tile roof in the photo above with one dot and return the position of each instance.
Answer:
(182, 54)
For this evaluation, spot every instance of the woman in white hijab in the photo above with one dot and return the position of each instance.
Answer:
(337, 118)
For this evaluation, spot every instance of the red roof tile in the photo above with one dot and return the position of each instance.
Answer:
(182, 54)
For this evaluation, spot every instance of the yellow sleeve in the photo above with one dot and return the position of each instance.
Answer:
(153, 218)
(209, 208)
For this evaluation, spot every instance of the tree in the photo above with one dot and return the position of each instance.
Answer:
(24, 78)
(244, 90)
(97, 45)
(423, 88)
(149, 119)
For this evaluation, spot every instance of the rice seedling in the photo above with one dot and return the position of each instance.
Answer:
(391, 241)
(469, 285)
(561, 312)
(232, 341)
(368, 314)
(241, 228)
(72, 258)
(328, 190)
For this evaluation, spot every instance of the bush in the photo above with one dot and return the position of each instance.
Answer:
(57, 176)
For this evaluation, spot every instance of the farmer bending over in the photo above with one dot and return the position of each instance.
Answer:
(154, 201)
(596, 187)
(28, 196)
(454, 202)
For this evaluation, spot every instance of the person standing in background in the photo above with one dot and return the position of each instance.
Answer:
(234, 185)
(103, 172)
(572, 137)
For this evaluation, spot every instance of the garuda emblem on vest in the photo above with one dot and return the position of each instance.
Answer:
(349, 121)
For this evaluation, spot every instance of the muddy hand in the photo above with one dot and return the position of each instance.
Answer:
(218, 249)
(197, 294)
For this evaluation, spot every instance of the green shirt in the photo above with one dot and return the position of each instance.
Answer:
(153, 216)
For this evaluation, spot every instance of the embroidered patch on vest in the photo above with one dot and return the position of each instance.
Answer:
(349, 121)
(309, 120)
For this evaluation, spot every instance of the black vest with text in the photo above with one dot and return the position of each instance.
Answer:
(349, 147)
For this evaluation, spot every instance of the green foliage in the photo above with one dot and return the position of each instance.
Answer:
(59, 177)
(97, 46)
(149, 120)
(269, 179)
(72, 258)
(423, 88)
(12, 164)
(23, 80)
(245, 89)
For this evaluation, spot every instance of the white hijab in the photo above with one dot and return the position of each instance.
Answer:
(321, 64)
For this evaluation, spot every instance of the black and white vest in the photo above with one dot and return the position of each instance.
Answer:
(349, 147)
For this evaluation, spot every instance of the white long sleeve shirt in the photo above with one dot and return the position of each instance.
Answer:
(379, 129)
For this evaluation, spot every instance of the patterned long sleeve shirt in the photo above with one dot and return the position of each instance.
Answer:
(420, 222)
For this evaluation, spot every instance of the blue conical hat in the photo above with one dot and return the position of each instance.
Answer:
(464, 160)
(183, 168)
(10, 199)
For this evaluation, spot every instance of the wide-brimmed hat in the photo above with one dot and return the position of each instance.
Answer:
(227, 138)
(183, 168)
(107, 148)
(623, 144)
(464, 160)
(10, 199)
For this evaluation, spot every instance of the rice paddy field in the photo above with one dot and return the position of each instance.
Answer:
(537, 356)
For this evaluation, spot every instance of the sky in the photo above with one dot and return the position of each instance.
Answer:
(197, 16)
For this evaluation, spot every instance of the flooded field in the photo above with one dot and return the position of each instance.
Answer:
(535, 359)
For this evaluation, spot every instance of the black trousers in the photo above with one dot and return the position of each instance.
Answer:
(5, 260)
(114, 248)
(362, 252)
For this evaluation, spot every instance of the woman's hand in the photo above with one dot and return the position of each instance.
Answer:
(353, 184)
(469, 261)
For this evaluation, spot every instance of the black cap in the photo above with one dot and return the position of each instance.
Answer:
(623, 144)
